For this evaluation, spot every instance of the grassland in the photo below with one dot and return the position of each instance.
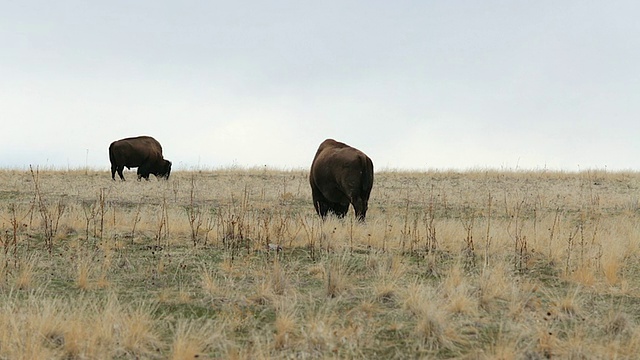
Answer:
(234, 264)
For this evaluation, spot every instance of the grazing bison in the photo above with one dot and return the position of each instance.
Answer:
(143, 152)
(340, 175)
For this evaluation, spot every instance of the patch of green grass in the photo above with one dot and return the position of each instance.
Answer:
(186, 310)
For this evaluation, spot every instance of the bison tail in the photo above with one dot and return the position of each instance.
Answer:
(111, 155)
(367, 175)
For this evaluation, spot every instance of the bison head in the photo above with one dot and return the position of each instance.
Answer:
(165, 170)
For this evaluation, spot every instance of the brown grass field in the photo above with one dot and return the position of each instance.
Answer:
(234, 264)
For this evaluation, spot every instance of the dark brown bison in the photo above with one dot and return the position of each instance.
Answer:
(340, 175)
(143, 152)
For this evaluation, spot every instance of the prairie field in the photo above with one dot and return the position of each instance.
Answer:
(235, 264)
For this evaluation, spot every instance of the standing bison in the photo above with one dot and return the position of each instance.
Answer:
(340, 175)
(143, 152)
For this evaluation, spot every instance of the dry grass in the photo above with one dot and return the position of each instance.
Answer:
(233, 263)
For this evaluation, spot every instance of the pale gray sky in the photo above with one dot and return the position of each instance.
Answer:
(414, 84)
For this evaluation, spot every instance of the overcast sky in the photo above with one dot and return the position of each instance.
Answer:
(414, 84)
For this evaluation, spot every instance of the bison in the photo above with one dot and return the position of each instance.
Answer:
(143, 152)
(340, 175)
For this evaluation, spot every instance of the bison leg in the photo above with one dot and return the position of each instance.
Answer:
(119, 170)
(360, 207)
(340, 209)
(322, 208)
(143, 172)
(319, 202)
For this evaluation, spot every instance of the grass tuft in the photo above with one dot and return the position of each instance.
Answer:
(192, 339)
